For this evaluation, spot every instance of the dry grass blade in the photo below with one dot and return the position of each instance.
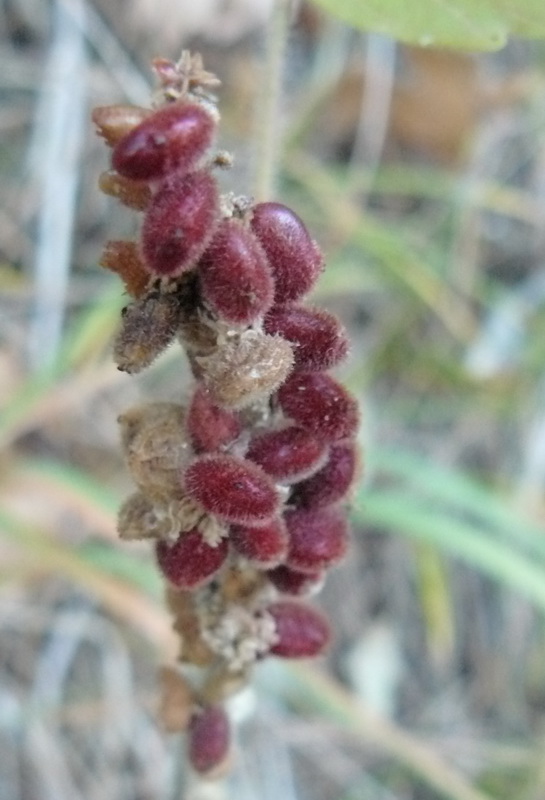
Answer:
(119, 597)
(41, 399)
(308, 686)
(58, 138)
(67, 488)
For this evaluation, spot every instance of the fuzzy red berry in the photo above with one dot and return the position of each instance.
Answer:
(174, 137)
(318, 403)
(209, 739)
(302, 631)
(333, 481)
(232, 488)
(319, 339)
(290, 581)
(294, 257)
(318, 539)
(265, 546)
(289, 454)
(236, 280)
(190, 562)
(179, 223)
(209, 426)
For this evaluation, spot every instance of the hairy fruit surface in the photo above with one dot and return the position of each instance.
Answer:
(265, 546)
(232, 488)
(290, 581)
(189, 561)
(319, 340)
(179, 222)
(331, 483)
(236, 280)
(210, 427)
(320, 404)
(318, 539)
(302, 631)
(287, 455)
(295, 259)
(174, 137)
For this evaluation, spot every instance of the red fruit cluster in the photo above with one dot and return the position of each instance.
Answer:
(248, 511)
(278, 488)
(156, 157)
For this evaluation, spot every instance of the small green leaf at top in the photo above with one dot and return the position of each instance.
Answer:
(461, 24)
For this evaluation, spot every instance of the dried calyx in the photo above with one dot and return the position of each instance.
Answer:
(242, 488)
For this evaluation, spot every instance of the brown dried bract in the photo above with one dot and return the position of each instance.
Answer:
(122, 257)
(136, 518)
(193, 649)
(155, 448)
(196, 336)
(186, 76)
(131, 193)
(148, 326)
(242, 585)
(164, 517)
(114, 122)
(246, 367)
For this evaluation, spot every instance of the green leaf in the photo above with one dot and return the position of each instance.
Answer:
(464, 24)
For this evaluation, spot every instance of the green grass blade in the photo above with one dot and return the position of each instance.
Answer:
(400, 513)
(70, 479)
(462, 494)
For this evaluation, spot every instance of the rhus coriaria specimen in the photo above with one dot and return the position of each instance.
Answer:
(242, 484)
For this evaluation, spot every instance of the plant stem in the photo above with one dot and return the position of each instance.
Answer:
(268, 126)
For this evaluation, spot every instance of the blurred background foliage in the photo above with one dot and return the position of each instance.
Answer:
(422, 174)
